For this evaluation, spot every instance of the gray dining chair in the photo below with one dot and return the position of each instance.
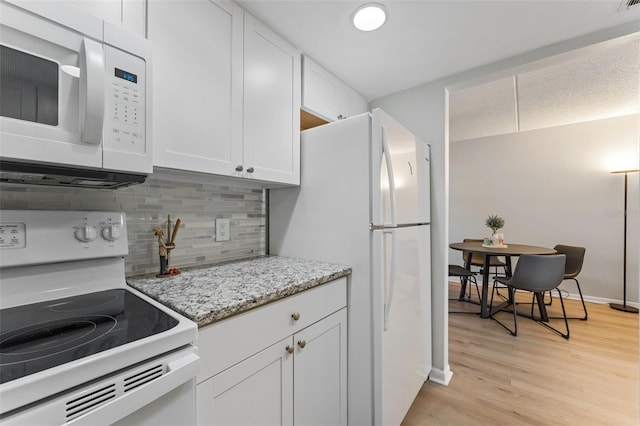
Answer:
(466, 279)
(573, 266)
(537, 274)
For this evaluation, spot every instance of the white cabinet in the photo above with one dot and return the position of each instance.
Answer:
(271, 105)
(129, 14)
(256, 391)
(325, 96)
(319, 372)
(197, 88)
(267, 367)
(226, 89)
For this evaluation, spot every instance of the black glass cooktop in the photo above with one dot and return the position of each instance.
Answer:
(43, 335)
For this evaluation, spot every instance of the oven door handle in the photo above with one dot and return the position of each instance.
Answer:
(179, 372)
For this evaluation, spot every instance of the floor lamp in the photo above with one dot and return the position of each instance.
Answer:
(624, 306)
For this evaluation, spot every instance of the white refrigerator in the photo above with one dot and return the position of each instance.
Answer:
(364, 201)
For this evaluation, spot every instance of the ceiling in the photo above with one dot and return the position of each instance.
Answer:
(593, 84)
(424, 40)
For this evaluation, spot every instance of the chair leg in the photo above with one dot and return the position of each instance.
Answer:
(512, 297)
(505, 275)
(513, 332)
(584, 306)
(582, 300)
(477, 289)
(564, 314)
(467, 282)
(464, 298)
(463, 287)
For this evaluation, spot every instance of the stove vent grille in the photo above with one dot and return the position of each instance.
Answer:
(89, 401)
(143, 377)
(83, 403)
(627, 4)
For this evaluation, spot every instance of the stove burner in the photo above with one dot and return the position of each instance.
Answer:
(50, 338)
(92, 302)
(44, 335)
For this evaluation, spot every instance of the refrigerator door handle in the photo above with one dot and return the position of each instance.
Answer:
(390, 279)
(392, 186)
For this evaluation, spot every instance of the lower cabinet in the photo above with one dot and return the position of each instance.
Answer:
(300, 379)
(320, 373)
(257, 391)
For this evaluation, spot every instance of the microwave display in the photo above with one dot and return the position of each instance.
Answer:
(125, 75)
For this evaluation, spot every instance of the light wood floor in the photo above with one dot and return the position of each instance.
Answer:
(536, 378)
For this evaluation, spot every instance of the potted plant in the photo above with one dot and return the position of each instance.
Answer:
(494, 222)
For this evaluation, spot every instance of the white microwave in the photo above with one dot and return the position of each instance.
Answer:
(75, 98)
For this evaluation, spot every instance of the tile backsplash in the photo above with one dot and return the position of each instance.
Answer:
(197, 204)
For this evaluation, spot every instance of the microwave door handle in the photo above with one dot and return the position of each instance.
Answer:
(91, 91)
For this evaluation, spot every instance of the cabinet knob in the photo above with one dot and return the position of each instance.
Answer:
(239, 168)
(295, 316)
(289, 349)
(302, 343)
(250, 170)
(341, 117)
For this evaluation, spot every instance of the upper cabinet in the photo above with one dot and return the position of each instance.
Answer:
(129, 14)
(325, 96)
(197, 97)
(226, 93)
(271, 105)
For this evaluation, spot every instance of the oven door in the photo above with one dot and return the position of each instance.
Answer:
(161, 391)
(52, 84)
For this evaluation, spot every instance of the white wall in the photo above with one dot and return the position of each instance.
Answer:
(424, 110)
(554, 186)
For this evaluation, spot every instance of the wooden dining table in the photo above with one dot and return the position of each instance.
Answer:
(508, 250)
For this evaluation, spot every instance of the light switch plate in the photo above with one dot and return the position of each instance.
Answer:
(222, 229)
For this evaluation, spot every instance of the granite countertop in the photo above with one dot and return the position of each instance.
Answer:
(210, 294)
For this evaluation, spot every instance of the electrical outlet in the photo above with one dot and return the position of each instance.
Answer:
(222, 229)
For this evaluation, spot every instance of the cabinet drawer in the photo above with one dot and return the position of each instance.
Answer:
(232, 340)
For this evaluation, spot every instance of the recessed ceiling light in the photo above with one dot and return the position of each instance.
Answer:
(369, 17)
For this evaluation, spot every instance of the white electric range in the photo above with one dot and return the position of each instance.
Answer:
(77, 345)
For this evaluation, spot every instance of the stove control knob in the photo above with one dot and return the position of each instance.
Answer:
(111, 232)
(86, 233)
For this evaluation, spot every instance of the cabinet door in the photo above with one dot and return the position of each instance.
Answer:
(327, 97)
(350, 102)
(319, 91)
(256, 391)
(320, 372)
(134, 16)
(129, 14)
(197, 92)
(271, 105)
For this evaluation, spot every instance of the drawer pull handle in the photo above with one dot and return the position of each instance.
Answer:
(302, 343)
(295, 316)
(289, 349)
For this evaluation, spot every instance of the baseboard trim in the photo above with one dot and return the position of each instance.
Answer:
(576, 296)
(593, 299)
(441, 377)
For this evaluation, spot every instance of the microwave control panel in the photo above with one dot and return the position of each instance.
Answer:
(125, 115)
